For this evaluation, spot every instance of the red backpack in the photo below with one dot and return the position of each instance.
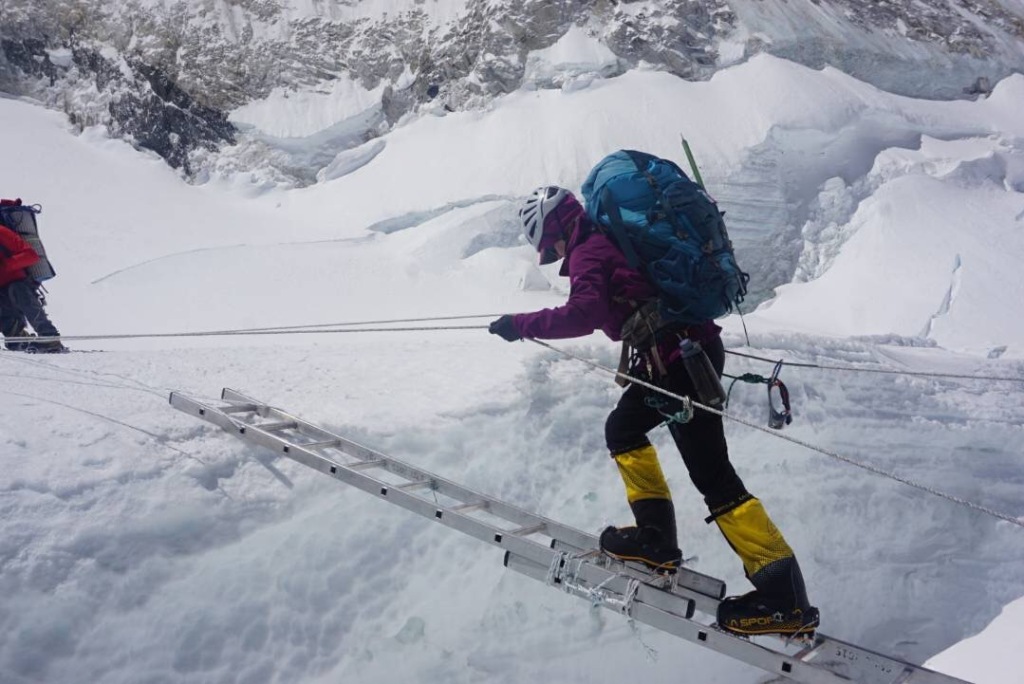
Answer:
(21, 218)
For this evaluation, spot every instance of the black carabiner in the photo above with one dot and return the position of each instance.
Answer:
(778, 419)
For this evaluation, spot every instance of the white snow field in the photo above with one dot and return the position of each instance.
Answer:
(140, 546)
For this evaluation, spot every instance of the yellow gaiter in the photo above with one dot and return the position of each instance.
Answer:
(641, 473)
(753, 536)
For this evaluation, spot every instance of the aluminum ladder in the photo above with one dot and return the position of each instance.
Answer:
(553, 553)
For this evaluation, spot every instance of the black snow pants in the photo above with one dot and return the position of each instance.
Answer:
(701, 441)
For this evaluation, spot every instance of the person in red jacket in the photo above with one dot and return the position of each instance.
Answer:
(604, 293)
(19, 298)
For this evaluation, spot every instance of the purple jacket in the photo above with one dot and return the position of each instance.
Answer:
(601, 287)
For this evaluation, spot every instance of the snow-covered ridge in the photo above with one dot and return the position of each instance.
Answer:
(137, 545)
(167, 75)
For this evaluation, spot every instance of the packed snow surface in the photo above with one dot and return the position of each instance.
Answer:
(138, 544)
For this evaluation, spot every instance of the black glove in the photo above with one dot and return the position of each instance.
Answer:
(505, 328)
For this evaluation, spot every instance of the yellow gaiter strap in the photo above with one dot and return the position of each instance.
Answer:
(641, 473)
(754, 536)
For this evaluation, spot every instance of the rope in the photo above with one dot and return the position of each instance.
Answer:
(277, 329)
(554, 573)
(799, 442)
(231, 333)
(377, 322)
(924, 374)
(328, 328)
(687, 403)
(564, 570)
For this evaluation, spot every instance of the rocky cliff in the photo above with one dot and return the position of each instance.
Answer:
(166, 75)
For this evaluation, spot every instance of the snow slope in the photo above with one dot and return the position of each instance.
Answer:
(139, 545)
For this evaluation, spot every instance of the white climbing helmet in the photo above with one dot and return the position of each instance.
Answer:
(535, 210)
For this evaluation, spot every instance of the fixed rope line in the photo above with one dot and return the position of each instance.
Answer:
(687, 402)
(326, 328)
(378, 322)
(237, 333)
(885, 371)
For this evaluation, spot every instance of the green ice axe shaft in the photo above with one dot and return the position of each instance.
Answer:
(693, 164)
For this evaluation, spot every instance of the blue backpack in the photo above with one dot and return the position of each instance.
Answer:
(669, 229)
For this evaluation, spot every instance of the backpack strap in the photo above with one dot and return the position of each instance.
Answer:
(617, 225)
(618, 230)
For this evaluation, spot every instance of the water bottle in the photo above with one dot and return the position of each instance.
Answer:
(705, 380)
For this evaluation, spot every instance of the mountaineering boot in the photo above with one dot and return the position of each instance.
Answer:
(652, 541)
(751, 615)
(764, 612)
(46, 347)
(778, 604)
(18, 345)
(641, 544)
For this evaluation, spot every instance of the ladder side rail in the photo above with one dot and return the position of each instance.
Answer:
(304, 427)
(276, 443)
(539, 553)
(350, 476)
(703, 635)
(845, 662)
(872, 667)
(519, 517)
(515, 515)
(417, 504)
(693, 586)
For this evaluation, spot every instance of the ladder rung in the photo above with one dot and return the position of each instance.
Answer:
(466, 507)
(363, 465)
(326, 444)
(239, 408)
(415, 485)
(275, 427)
(807, 653)
(527, 531)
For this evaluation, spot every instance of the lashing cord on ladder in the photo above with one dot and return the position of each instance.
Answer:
(564, 571)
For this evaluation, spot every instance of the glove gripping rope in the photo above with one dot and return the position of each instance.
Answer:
(799, 442)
